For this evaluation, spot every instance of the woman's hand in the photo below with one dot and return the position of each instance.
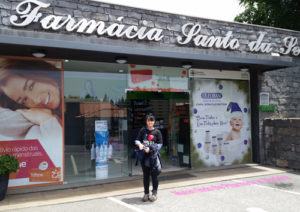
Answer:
(141, 146)
(147, 149)
(36, 115)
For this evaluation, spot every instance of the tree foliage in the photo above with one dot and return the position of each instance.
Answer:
(275, 13)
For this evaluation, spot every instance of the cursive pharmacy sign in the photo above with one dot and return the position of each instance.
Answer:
(191, 33)
(30, 11)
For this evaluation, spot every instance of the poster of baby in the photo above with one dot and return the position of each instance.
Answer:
(220, 122)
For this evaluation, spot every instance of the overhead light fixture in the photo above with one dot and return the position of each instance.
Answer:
(121, 60)
(186, 65)
(244, 69)
(38, 53)
(66, 61)
(275, 54)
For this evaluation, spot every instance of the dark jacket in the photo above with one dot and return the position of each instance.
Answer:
(151, 139)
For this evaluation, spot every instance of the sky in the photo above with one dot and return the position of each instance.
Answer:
(224, 10)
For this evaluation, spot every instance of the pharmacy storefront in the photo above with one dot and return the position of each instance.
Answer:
(77, 79)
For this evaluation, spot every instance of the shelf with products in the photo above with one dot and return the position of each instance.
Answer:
(139, 109)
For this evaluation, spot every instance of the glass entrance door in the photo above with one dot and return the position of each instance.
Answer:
(172, 118)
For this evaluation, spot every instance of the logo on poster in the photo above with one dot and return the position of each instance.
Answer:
(211, 95)
(23, 164)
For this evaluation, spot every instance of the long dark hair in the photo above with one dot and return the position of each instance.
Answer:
(35, 69)
(150, 117)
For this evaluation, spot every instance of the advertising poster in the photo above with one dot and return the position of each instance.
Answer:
(220, 122)
(31, 119)
(154, 78)
(103, 149)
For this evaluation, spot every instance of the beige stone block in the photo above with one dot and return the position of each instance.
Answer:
(282, 163)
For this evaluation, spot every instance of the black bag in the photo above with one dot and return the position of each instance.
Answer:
(138, 154)
(156, 167)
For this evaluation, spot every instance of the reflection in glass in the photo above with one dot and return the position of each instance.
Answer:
(94, 92)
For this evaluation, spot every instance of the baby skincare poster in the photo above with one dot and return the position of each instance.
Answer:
(220, 122)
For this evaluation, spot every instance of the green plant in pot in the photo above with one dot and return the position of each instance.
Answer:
(8, 164)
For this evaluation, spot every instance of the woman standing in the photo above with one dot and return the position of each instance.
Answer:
(149, 140)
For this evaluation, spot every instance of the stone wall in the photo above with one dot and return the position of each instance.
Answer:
(282, 142)
(170, 23)
(283, 85)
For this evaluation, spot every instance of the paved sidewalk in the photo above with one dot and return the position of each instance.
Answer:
(174, 180)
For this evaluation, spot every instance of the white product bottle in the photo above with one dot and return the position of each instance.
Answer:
(220, 144)
(97, 153)
(105, 151)
(207, 144)
(226, 152)
(110, 149)
(214, 145)
(207, 141)
(102, 152)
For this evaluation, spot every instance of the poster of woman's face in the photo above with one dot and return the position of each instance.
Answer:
(30, 84)
(31, 102)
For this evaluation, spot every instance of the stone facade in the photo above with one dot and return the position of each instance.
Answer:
(283, 85)
(170, 24)
(282, 142)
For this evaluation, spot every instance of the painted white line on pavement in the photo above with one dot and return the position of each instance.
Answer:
(291, 192)
(125, 204)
